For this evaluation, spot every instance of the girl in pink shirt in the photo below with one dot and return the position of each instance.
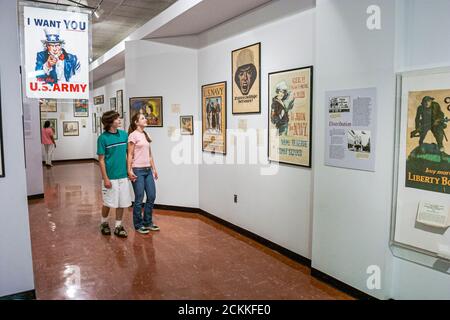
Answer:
(48, 140)
(142, 173)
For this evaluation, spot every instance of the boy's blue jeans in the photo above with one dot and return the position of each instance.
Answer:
(144, 183)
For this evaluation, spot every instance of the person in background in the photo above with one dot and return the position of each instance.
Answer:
(112, 156)
(142, 173)
(48, 140)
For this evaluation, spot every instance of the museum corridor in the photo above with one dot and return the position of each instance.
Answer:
(191, 258)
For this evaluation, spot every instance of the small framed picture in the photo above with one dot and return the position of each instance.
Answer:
(71, 128)
(150, 107)
(94, 123)
(81, 108)
(113, 104)
(99, 100)
(53, 125)
(48, 105)
(187, 125)
(119, 102)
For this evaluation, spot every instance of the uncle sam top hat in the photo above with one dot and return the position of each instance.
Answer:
(52, 36)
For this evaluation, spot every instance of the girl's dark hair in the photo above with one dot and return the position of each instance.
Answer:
(47, 124)
(108, 119)
(133, 126)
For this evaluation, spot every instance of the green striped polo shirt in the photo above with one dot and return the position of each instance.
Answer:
(114, 147)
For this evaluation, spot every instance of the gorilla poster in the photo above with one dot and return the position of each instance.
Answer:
(246, 70)
(290, 112)
(56, 54)
(427, 141)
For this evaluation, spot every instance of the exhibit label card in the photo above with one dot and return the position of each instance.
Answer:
(427, 145)
(433, 214)
(56, 54)
(351, 129)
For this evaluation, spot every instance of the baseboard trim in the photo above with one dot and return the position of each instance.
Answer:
(72, 160)
(36, 196)
(26, 295)
(358, 294)
(176, 208)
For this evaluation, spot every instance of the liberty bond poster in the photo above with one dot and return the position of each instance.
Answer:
(56, 54)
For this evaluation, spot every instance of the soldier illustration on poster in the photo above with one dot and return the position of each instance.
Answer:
(214, 110)
(246, 84)
(427, 142)
(290, 110)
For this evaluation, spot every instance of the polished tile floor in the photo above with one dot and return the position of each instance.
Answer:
(191, 258)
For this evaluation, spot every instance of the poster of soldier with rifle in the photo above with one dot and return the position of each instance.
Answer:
(427, 141)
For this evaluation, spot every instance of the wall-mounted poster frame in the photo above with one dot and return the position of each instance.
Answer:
(113, 104)
(187, 125)
(420, 210)
(119, 101)
(214, 124)
(81, 108)
(99, 100)
(2, 153)
(246, 79)
(290, 116)
(71, 131)
(53, 125)
(151, 107)
(48, 105)
(94, 123)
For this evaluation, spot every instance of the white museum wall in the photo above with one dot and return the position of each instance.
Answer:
(107, 87)
(352, 208)
(421, 46)
(71, 147)
(33, 149)
(423, 34)
(16, 269)
(155, 69)
(276, 207)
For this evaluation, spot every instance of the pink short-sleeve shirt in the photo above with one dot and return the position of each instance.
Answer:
(141, 157)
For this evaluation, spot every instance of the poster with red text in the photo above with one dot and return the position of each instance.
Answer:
(56, 54)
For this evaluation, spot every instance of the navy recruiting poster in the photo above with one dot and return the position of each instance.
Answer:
(56, 54)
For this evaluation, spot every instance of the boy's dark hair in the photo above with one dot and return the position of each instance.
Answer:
(108, 118)
(47, 124)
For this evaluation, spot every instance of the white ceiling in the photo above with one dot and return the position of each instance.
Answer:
(204, 16)
(117, 19)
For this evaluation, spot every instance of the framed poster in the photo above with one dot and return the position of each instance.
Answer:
(187, 125)
(290, 116)
(94, 123)
(2, 154)
(119, 101)
(53, 125)
(113, 104)
(246, 72)
(81, 108)
(214, 118)
(99, 125)
(48, 105)
(151, 107)
(56, 53)
(421, 215)
(99, 100)
(71, 128)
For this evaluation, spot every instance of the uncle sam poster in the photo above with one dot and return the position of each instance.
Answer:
(56, 54)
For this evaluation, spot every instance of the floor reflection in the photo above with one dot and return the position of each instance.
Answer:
(191, 258)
